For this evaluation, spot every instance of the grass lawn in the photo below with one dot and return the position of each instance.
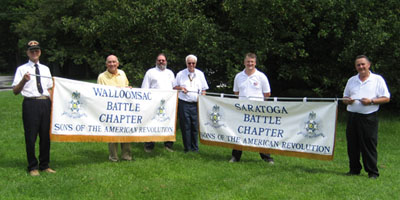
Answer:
(84, 172)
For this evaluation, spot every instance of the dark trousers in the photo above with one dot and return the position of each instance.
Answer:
(362, 138)
(189, 125)
(36, 119)
(150, 145)
(238, 154)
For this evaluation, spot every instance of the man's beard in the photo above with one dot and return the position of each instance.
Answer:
(162, 67)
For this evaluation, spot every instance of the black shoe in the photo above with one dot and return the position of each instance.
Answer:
(352, 173)
(372, 176)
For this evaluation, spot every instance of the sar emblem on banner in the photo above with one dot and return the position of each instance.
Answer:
(75, 106)
(215, 117)
(161, 115)
(311, 127)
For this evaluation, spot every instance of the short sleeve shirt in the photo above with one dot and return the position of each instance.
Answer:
(30, 88)
(156, 78)
(251, 87)
(118, 80)
(194, 83)
(374, 87)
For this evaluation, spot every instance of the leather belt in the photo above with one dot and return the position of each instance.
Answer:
(39, 97)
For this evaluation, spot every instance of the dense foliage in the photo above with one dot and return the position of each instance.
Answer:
(306, 48)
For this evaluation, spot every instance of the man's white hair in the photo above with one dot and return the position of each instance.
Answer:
(192, 57)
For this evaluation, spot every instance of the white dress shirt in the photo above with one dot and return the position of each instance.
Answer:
(156, 78)
(30, 88)
(194, 84)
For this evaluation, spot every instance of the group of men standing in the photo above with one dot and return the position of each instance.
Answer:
(363, 94)
(189, 81)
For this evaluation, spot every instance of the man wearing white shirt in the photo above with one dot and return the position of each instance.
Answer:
(253, 85)
(159, 77)
(364, 93)
(33, 81)
(191, 82)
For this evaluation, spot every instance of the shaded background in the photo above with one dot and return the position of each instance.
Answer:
(306, 48)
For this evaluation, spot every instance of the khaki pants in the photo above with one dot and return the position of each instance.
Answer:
(113, 151)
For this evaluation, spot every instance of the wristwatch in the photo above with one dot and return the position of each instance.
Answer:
(372, 102)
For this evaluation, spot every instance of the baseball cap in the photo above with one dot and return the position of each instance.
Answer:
(33, 44)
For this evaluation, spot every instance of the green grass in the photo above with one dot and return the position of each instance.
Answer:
(83, 171)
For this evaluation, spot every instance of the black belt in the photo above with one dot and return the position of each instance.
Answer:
(193, 103)
(360, 114)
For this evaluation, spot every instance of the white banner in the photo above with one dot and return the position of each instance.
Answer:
(300, 129)
(84, 111)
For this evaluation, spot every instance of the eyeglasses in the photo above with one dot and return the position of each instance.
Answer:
(191, 63)
(34, 50)
(161, 60)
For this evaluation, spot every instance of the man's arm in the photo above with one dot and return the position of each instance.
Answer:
(379, 100)
(18, 88)
(146, 81)
(184, 90)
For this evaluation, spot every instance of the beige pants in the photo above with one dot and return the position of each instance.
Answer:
(113, 151)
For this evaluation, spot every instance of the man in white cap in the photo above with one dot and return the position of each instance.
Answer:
(33, 81)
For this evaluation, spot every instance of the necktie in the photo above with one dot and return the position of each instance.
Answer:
(38, 84)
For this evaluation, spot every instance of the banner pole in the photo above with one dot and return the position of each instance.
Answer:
(305, 99)
(40, 76)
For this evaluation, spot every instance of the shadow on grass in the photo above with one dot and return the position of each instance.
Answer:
(301, 169)
(13, 164)
(80, 157)
(81, 154)
(223, 156)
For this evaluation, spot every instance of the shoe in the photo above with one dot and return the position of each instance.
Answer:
(34, 172)
(148, 150)
(113, 159)
(127, 158)
(49, 170)
(233, 159)
(269, 160)
(352, 173)
(169, 149)
(372, 176)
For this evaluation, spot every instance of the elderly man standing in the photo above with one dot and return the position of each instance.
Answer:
(159, 77)
(191, 82)
(364, 93)
(36, 107)
(115, 77)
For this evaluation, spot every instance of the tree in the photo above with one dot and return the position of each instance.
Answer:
(9, 53)
(306, 48)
